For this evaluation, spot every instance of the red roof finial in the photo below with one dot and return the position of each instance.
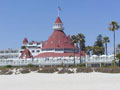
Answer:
(25, 41)
(58, 20)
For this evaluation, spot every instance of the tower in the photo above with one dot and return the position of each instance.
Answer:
(58, 24)
(58, 41)
(58, 44)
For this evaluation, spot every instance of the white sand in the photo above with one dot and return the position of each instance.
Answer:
(81, 81)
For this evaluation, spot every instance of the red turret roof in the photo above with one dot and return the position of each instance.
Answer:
(26, 53)
(58, 40)
(25, 41)
(58, 20)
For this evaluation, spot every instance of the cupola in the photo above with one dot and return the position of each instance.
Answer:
(58, 25)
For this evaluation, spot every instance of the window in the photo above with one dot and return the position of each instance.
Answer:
(6, 51)
(33, 51)
(38, 50)
(30, 43)
(1, 51)
(38, 43)
(65, 41)
(58, 41)
(51, 42)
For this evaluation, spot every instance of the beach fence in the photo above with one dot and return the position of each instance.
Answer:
(54, 61)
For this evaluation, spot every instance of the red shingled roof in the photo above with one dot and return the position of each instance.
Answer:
(58, 40)
(52, 54)
(58, 20)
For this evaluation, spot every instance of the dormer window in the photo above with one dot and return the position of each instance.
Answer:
(65, 41)
(58, 41)
(51, 42)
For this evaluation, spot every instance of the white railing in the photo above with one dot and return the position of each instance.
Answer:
(56, 61)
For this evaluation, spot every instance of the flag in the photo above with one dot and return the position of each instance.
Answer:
(59, 8)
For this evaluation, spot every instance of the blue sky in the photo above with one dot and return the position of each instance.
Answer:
(34, 19)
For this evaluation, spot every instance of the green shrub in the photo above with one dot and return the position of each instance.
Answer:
(23, 47)
(30, 65)
(113, 63)
(8, 66)
(48, 70)
(24, 71)
(102, 65)
(71, 56)
(65, 70)
(84, 69)
(82, 65)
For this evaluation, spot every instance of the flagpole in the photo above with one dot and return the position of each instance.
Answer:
(58, 12)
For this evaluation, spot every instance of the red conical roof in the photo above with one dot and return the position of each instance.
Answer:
(58, 20)
(58, 40)
(25, 41)
(26, 53)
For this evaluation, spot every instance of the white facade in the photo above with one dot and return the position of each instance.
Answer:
(10, 53)
(33, 47)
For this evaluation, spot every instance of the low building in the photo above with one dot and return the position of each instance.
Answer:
(10, 53)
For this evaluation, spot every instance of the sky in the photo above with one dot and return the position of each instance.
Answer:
(34, 19)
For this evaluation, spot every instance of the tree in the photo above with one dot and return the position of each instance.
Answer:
(23, 47)
(74, 40)
(106, 41)
(99, 41)
(113, 27)
(81, 41)
(118, 49)
(98, 48)
(118, 57)
(88, 49)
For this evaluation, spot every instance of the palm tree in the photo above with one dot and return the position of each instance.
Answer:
(113, 27)
(74, 40)
(118, 57)
(106, 41)
(88, 49)
(118, 49)
(81, 40)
